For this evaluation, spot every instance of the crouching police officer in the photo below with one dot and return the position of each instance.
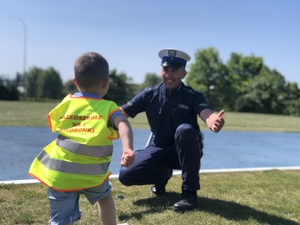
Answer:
(176, 142)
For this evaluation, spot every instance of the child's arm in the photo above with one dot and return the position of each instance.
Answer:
(126, 135)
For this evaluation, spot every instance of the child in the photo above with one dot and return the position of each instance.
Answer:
(77, 161)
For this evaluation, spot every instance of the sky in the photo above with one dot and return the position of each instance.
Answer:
(130, 33)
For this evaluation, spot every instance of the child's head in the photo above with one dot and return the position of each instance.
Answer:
(91, 70)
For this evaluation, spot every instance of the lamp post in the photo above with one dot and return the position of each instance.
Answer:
(25, 51)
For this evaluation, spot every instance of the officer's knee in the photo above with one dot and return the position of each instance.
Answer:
(186, 135)
(124, 177)
(184, 130)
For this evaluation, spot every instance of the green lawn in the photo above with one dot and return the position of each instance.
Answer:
(35, 114)
(237, 198)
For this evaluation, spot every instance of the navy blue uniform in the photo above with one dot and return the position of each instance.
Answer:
(176, 142)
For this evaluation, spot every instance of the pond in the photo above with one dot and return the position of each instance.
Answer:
(224, 150)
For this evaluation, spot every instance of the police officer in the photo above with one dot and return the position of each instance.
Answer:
(176, 141)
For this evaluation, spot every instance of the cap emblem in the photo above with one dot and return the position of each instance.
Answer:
(172, 53)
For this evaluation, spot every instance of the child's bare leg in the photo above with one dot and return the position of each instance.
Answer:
(107, 210)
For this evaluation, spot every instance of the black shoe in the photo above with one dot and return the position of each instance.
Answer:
(159, 189)
(188, 202)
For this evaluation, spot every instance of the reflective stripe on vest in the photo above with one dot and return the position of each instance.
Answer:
(75, 147)
(71, 167)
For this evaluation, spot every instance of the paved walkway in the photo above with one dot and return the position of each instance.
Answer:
(227, 151)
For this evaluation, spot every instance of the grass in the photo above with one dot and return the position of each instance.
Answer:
(250, 198)
(15, 113)
(35, 114)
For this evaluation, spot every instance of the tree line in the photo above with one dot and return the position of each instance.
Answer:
(242, 84)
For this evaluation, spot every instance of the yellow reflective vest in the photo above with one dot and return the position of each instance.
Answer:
(80, 155)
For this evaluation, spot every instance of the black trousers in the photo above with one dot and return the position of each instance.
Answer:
(151, 164)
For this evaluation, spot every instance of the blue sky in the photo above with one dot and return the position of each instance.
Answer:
(129, 33)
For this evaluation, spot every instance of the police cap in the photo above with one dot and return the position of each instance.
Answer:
(173, 58)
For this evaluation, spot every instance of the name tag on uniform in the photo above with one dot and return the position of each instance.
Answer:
(183, 106)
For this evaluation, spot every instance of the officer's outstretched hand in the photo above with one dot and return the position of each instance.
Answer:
(218, 122)
(127, 158)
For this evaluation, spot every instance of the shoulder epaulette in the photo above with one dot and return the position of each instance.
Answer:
(152, 88)
(189, 90)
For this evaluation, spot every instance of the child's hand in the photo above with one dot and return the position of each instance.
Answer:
(127, 158)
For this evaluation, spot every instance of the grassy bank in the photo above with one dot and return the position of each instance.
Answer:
(241, 198)
(35, 114)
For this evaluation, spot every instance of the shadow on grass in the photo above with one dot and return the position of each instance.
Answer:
(227, 209)
(238, 212)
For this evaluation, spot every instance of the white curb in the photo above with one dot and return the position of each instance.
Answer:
(177, 172)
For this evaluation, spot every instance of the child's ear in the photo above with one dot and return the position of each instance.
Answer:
(105, 83)
(75, 83)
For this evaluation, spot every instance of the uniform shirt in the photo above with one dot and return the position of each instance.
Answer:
(166, 112)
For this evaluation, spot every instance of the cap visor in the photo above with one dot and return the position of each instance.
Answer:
(174, 65)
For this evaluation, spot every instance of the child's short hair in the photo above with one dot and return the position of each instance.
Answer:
(90, 69)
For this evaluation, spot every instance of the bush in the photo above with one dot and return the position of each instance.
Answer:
(245, 103)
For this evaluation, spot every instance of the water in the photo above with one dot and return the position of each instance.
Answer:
(225, 150)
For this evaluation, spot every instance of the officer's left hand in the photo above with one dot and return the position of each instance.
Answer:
(218, 122)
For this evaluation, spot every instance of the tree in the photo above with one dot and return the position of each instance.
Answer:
(246, 67)
(53, 86)
(244, 84)
(151, 79)
(120, 87)
(3, 92)
(8, 90)
(13, 92)
(42, 84)
(31, 82)
(241, 71)
(70, 87)
(292, 100)
(210, 76)
(264, 94)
